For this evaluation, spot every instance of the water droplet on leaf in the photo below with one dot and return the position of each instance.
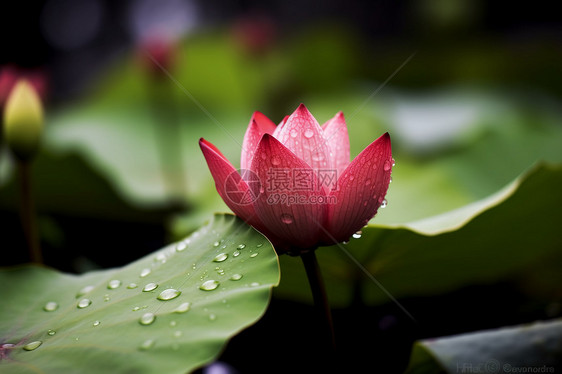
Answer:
(181, 246)
(33, 345)
(150, 287)
(253, 255)
(84, 303)
(84, 291)
(147, 319)
(147, 344)
(51, 306)
(51, 332)
(96, 323)
(113, 284)
(209, 285)
(132, 285)
(182, 308)
(220, 257)
(241, 246)
(168, 294)
(236, 253)
(236, 277)
(358, 234)
(145, 272)
(212, 317)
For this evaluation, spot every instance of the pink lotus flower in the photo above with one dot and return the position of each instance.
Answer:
(296, 184)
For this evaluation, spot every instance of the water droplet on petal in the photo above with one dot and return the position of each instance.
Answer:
(275, 160)
(84, 291)
(113, 284)
(182, 308)
(51, 332)
(384, 204)
(236, 277)
(147, 344)
(390, 180)
(96, 323)
(358, 234)
(317, 157)
(51, 306)
(293, 133)
(286, 218)
(367, 181)
(150, 287)
(209, 285)
(147, 319)
(220, 257)
(393, 162)
(308, 133)
(241, 246)
(351, 177)
(386, 166)
(132, 285)
(84, 303)
(168, 294)
(33, 345)
(145, 272)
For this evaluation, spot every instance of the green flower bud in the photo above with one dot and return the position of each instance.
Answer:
(23, 120)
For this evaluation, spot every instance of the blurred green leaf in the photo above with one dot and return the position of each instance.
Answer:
(533, 348)
(504, 236)
(171, 311)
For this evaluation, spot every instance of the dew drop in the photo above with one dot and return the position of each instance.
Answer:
(182, 308)
(51, 306)
(220, 257)
(209, 285)
(84, 291)
(84, 303)
(241, 246)
(286, 218)
(150, 287)
(308, 133)
(253, 255)
(113, 284)
(132, 285)
(358, 234)
(181, 246)
(96, 323)
(147, 319)
(144, 272)
(386, 166)
(384, 204)
(33, 345)
(147, 344)
(236, 253)
(236, 277)
(51, 332)
(168, 294)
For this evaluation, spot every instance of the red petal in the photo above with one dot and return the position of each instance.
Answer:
(335, 132)
(302, 134)
(290, 203)
(231, 187)
(259, 125)
(361, 189)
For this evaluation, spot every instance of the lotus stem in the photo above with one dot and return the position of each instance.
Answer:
(319, 295)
